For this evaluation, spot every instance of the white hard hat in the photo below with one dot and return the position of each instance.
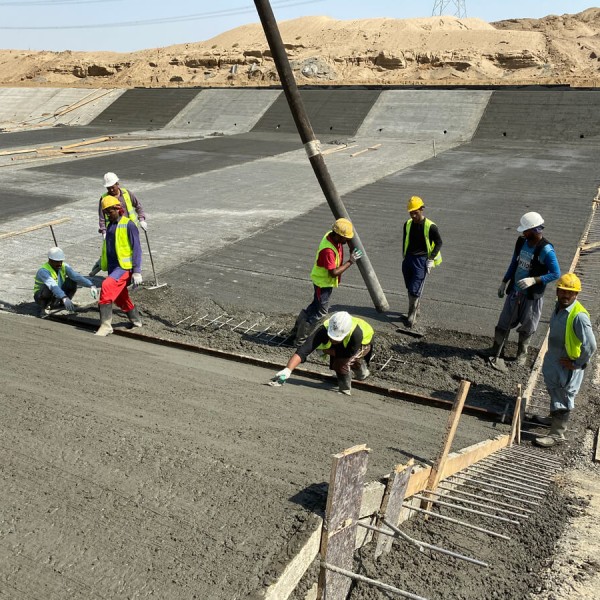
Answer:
(529, 221)
(110, 179)
(340, 325)
(56, 254)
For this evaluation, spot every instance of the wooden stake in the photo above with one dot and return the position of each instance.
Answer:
(106, 138)
(515, 431)
(597, 455)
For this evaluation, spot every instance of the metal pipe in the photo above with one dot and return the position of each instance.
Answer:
(480, 504)
(53, 236)
(465, 509)
(486, 499)
(527, 468)
(517, 470)
(514, 474)
(550, 462)
(456, 521)
(479, 482)
(311, 145)
(513, 453)
(500, 479)
(240, 323)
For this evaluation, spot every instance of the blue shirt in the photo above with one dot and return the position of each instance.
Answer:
(56, 286)
(520, 265)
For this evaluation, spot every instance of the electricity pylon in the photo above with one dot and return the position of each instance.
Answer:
(439, 8)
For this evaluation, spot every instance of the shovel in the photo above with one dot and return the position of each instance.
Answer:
(495, 361)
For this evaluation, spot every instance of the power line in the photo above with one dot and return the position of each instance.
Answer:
(439, 8)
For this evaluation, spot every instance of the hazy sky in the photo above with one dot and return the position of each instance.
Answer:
(124, 25)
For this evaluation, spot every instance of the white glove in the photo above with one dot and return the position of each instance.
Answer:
(281, 377)
(94, 293)
(104, 235)
(137, 279)
(523, 284)
(144, 225)
(356, 255)
(68, 304)
(502, 289)
(429, 264)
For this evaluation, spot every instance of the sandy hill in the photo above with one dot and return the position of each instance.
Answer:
(432, 50)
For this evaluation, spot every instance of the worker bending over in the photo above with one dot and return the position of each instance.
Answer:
(122, 259)
(421, 245)
(347, 340)
(56, 283)
(571, 344)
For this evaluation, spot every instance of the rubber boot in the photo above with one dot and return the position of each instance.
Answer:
(413, 305)
(345, 383)
(42, 307)
(557, 429)
(95, 269)
(105, 328)
(361, 372)
(134, 317)
(303, 329)
(498, 340)
(523, 347)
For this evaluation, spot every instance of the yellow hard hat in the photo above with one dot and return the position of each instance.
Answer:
(344, 228)
(108, 201)
(415, 203)
(570, 282)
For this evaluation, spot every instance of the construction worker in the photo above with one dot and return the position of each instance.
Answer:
(347, 340)
(56, 283)
(122, 260)
(129, 203)
(571, 344)
(533, 266)
(421, 245)
(326, 275)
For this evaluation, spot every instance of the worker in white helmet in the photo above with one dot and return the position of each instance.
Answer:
(56, 282)
(533, 266)
(347, 340)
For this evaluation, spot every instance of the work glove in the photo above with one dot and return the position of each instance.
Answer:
(103, 235)
(523, 284)
(429, 265)
(137, 280)
(68, 304)
(502, 289)
(144, 225)
(94, 292)
(356, 255)
(281, 377)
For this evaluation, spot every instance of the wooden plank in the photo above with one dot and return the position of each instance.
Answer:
(597, 455)
(105, 138)
(591, 246)
(33, 228)
(103, 149)
(334, 150)
(515, 430)
(344, 498)
(391, 506)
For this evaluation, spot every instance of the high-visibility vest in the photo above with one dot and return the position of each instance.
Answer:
(356, 322)
(122, 246)
(131, 214)
(320, 276)
(38, 283)
(572, 342)
(438, 259)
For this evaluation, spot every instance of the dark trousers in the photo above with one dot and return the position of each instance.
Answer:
(345, 364)
(45, 297)
(319, 307)
(414, 269)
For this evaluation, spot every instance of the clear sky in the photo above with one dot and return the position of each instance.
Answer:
(125, 25)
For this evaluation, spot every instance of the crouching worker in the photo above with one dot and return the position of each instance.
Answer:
(56, 283)
(347, 340)
(122, 260)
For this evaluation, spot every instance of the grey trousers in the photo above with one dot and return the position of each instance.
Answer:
(520, 310)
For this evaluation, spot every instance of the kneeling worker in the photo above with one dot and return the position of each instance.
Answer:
(56, 283)
(347, 340)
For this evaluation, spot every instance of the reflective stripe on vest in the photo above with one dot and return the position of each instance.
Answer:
(438, 259)
(38, 283)
(122, 246)
(131, 214)
(320, 275)
(356, 322)
(572, 342)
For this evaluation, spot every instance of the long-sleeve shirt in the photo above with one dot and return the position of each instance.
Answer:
(56, 286)
(137, 206)
(416, 240)
(520, 264)
(114, 269)
(320, 337)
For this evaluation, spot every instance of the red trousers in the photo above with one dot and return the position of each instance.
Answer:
(115, 290)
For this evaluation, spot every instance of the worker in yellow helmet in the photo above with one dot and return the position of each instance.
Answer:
(571, 344)
(421, 245)
(326, 275)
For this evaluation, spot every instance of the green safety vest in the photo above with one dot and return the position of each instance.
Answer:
(572, 342)
(438, 259)
(122, 246)
(320, 275)
(38, 283)
(356, 322)
(131, 214)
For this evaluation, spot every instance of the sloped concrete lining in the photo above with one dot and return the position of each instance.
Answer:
(224, 111)
(425, 114)
(540, 114)
(331, 112)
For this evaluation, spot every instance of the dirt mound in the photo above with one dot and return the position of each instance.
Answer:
(432, 50)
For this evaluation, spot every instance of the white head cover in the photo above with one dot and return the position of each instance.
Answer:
(340, 325)
(110, 179)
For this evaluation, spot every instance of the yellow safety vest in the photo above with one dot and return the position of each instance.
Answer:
(38, 283)
(128, 205)
(356, 322)
(572, 342)
(122, 246)
(320, 275)
(438, 259)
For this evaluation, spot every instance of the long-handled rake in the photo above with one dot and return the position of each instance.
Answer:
(156, 284)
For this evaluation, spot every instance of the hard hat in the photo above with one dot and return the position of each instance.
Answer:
(529, 221)
(340, 325)
(344, 228)
(56, 254)
(110, 179)
(415, 203)
(570, 282)
(109, 201)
